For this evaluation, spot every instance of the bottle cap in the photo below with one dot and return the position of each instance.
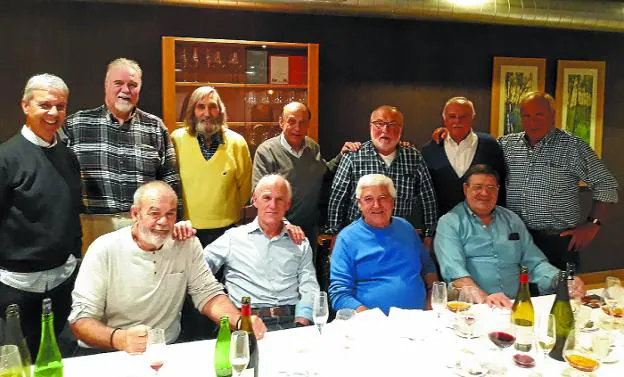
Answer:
(46, 306)
(224, 318)
(12, 309)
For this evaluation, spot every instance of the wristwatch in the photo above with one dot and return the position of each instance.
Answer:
(593, 220)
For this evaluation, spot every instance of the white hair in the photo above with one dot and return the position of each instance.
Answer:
(140, 192)
(271, 179)
(44, 81)
(372, 180)
(460, 101)
(124, 62)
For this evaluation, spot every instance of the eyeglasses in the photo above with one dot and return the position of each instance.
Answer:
(490, 189)
(380, 124)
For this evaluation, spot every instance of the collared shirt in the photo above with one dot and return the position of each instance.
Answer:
(461, 155)
(408, 173)
(208, 151)
(40, 281)
(290, 149)
(272, 271)
(490, 254)
(115, 159)
(543, 180)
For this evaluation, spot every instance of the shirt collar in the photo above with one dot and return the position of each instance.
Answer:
(474, 215)
(214, 138)
(289, 149)
(544, 140)
(254, 226)
(114, 120)
(33, 138)
(469, 141)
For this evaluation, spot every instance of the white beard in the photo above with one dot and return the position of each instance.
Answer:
(123, 107)
(208, 127)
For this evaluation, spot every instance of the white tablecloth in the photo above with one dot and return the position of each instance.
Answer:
(383, 350)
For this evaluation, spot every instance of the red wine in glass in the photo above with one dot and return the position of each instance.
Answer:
(156, 365)
(501, 339)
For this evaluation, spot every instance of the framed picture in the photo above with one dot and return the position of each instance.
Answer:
(511, 79)
(580, 100)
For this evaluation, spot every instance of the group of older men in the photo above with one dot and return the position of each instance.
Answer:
(127, 182)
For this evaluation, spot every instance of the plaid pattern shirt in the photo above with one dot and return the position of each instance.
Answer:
(543, 181)
(116, 159)
(408, 173)
(209, 151)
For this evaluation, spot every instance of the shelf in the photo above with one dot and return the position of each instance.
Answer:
(281, 45)
(242, 86)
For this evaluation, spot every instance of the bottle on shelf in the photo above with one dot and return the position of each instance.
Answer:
(49, 362)
(523, 314)
(245, 325)
(181, 66)
(564, 318)
(14, 335)
(223, 367)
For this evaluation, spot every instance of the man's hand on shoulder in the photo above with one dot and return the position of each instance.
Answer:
(133, 340)
(183, 230)
(498, 300)
(296, 233)
(439, 134)
(350, 146)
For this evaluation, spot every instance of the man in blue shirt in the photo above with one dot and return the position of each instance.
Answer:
(379, 260)
(481, 244)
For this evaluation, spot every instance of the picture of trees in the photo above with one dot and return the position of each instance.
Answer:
(579, 105)
(516, 85)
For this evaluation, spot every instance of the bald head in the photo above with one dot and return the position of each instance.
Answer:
(538, 115)
(294, 122)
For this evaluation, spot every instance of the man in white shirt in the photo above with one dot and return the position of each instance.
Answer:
(448, 162)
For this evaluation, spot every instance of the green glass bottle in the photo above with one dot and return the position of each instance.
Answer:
(14, 335)
(564, 318)
(49, 362)
(523, 314)
(222, 365)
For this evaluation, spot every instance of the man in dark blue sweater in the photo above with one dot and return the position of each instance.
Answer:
(39, 211)
(449, 160)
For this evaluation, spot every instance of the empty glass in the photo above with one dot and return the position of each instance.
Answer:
(438, 299)
(320, 310)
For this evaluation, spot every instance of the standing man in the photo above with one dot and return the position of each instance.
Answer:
(39, 211)
(544, 167)
(462, 148)
(383, 155)
(215, 166)
(119, 148)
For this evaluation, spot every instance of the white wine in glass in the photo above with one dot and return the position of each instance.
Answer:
(239, 351)
(320, 310)
(10, 362)
(546, 333)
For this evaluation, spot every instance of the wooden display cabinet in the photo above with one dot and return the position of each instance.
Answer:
(254, 79)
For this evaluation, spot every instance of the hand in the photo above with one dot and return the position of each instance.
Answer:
(183, 230)
(405, 144)
(350, 146)
(135, 339)
(498, 300)
(296, 233)
(576, 288)
(439, 134)
(303, 321)
(427, 241)
(582, 235)
(258, 327)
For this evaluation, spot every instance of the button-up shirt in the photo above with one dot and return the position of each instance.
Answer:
(543, 180)
(490, 254)
(115, 159)
(209, 150)
(461, 155)
(408, 173)
(289, 148)
(272, 271)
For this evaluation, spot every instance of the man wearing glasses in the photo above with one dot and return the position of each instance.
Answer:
(483, 245)
(383, 155)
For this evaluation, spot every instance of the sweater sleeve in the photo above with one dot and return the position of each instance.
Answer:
(342, 276)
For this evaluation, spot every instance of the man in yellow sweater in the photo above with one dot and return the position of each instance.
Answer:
(214, 164)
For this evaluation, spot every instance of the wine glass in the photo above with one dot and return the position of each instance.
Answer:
(501, 331)
(155, 350)
(438, 299)
(467, 318)
(611, 295)
(320, 310)
(546, 333)
(239, 351)
(579, 354)
(10, 362)
(454, 303)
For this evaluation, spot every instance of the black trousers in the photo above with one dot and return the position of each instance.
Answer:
(30, 309)
(555, 248)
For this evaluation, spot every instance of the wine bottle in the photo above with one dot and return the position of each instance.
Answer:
(564, 318)
(245, 325)
(14, 335)
(523, 314)
(49, 362)
(222, 365)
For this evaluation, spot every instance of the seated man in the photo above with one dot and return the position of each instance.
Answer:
(136, 277)
(379, 260)
(260, 260)
(481, 244)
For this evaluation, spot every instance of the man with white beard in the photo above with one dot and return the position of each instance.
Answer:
(135, 279)
(119, 148)
(215, 166)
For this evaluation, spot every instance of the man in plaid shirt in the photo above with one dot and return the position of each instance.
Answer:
(383, 155)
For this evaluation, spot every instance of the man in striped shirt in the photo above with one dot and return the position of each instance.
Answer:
(119, 147)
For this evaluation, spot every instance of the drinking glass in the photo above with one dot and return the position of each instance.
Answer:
(155, 350)
(320, 310)
(239, 351)
(467, 318)
(579, 354)
(546, 333)
(10, 362)
(454, 303)
(501, 331)
(611, 296)
(342, 319)
(438, 299)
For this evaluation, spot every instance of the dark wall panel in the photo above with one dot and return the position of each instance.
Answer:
(364, 62)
